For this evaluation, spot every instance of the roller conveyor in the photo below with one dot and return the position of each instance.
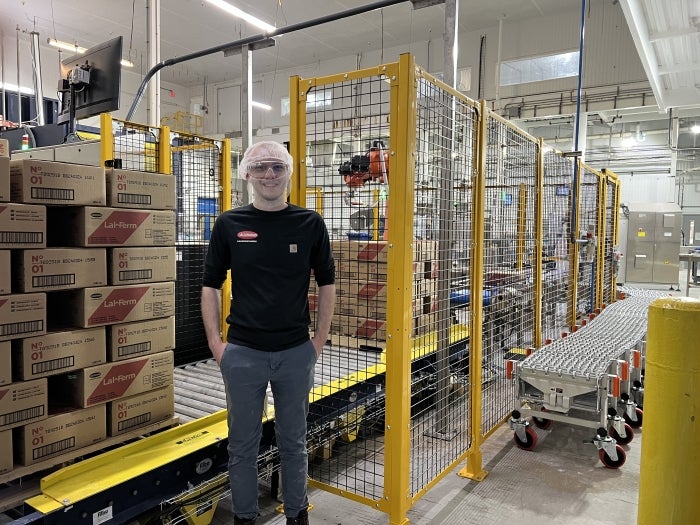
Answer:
(587, 376)
(199, 387)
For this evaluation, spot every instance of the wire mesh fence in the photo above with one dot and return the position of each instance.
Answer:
(609, 249)
(556, 217)
(385, 216)
(588, 234)
(347, 180)
(444, 162)
(197, 167)
(508, 269)
(135, 146)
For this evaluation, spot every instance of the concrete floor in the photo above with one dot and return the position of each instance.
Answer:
(561, 481)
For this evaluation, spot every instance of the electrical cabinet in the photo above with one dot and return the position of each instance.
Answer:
(653, 243)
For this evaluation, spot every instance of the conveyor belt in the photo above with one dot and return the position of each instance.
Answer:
(199, 388)
(593, 377)
(589, 351)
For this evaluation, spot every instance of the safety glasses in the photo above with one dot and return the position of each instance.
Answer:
(261, 170)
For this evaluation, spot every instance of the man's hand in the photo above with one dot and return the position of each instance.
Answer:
(318, 344)
(218, 351)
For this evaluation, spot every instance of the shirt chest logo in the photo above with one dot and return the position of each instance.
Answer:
(247, 236)
(293, 248)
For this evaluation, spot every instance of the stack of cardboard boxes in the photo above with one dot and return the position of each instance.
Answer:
(87, 329)
(361, 288)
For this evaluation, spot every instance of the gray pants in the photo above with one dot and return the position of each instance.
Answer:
(246, 374)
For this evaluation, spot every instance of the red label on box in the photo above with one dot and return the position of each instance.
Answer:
(118, 227)
(117, 381)
(370, 252)
(370, 290)
(369, 327)
(118, 304)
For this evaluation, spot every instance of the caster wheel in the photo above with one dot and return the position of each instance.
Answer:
(635, 424)
(540, 422)
(620, 440)
(530, 439)
(608, 462)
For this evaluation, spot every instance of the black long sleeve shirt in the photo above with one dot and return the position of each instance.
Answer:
(270, 255)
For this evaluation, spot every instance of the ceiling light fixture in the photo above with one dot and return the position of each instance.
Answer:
(232, 10)
(695, 128)
(66, 45)
(260, 105)
(79, 50)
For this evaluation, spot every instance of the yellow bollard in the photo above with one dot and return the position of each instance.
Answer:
(669, 483)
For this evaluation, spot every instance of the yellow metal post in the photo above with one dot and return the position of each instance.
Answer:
(522, 216)
(539, 244)
(165, 158)
(397, 495)
(600, 254)
(106, 138)
(297, 138)
(474, 465)
(615, 226)
(226, 204)
(670, 465)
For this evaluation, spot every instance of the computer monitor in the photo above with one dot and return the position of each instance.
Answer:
(101, 93)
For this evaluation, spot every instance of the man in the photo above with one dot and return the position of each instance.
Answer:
(270, 247)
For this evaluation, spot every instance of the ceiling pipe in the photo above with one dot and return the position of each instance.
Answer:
(252, 40)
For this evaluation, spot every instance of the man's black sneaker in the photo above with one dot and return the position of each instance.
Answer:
(301, 519)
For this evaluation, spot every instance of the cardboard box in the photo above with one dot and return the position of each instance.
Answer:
(5, 363)
(6, 455)
(129, 265)
(425, 250)
(362, 290)
(102, 383)
(60, 434)
(22, 403)
(5, 272)
(93, 226)
(22, 315)
(113, 304)
(45, 182)
(128, 340)
(4, 179)
(51, 269)
(140, 189)
(58, 352)
(22, 226)
(376, 251)
(140, 410)
(4, 148)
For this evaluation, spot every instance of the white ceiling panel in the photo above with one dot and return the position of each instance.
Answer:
(667, 36)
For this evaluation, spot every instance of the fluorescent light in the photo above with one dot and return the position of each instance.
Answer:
(242, 14)
(66, 45)
(13, 87)
(80, 50)
(261, 105)
(695, 128)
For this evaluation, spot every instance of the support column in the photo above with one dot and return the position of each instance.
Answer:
(247, 96)
(670, 466)
(153, 42)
